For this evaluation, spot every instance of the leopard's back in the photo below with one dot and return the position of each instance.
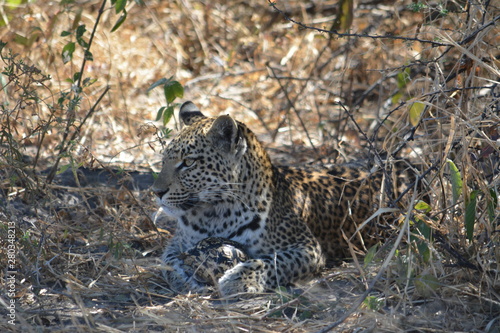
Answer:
(336, 201)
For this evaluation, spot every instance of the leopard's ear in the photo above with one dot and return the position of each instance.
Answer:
(189, 113)
(226, 135)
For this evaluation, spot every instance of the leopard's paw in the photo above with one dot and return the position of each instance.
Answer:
(242, 279)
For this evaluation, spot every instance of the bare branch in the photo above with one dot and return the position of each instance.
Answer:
(339, 34)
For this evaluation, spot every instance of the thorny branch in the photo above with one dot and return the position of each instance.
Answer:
(407, 39)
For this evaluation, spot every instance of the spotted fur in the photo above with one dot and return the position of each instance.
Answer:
(218, 181)
(208, 260)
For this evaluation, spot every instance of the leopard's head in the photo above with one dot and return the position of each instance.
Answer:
(201, 164)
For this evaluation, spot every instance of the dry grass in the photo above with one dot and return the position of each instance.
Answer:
(86, 256)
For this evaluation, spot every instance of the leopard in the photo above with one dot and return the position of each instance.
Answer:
(218, 181)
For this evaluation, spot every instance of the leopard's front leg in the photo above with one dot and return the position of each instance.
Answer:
(174, 274)
(271, 271)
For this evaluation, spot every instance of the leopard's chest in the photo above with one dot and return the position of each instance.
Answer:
(239, 224)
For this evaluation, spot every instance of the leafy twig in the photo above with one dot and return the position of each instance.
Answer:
(99, 14)
(72, 105)
(65, 145)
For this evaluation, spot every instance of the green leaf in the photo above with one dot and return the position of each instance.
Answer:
(423, 206)
(345, 15)
(120, 5)
(370, 254)
(63, 168)
(19, 39)
(79, 37)
(470, 214)
(76, 76)
(65, 33)
(166, 132)
(13, 3)
(160, 112)
(67, 52)
(456, 181)
(120, 21)
(403, 77)
(159, 83)
(173, 89)
(283, 294)
(373, 303)
(83, 43)
(424, 229)
(88, 55)
(397, 97)
(89, 81)
(492, 205)
(168, 114)
(80, 31)
(416, 111)
(426, 284)
(417, 6)
(423, 250)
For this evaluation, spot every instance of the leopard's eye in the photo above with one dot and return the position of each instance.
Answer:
(187, 162)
